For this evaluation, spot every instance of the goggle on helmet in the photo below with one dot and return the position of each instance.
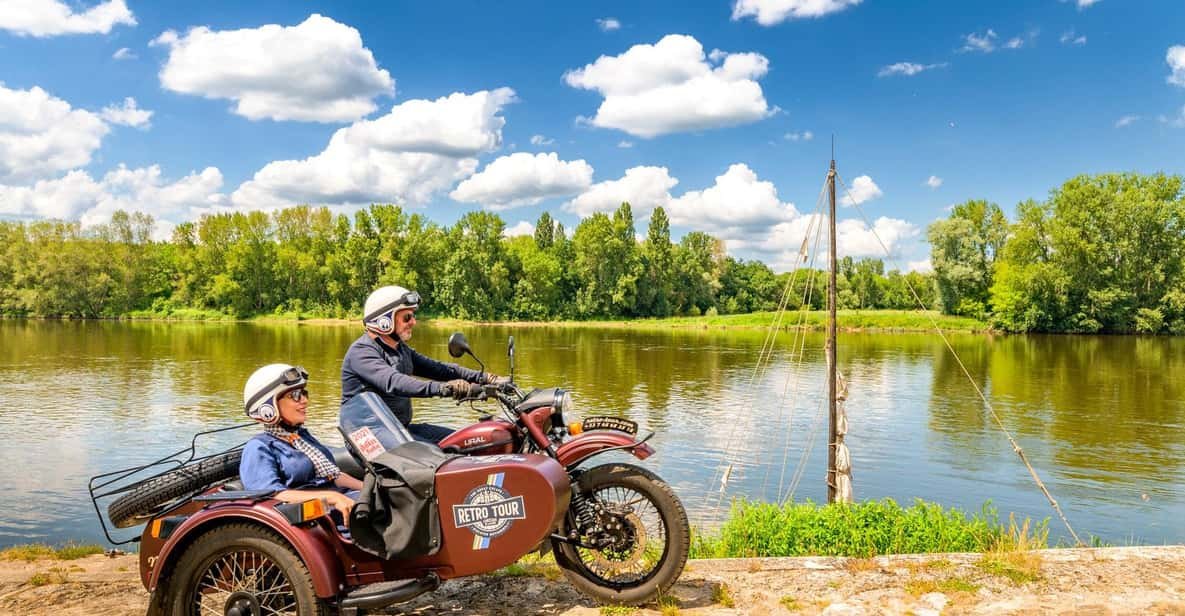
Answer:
(266, 385)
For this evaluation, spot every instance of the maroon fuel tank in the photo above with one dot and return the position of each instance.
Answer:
(494, 510)
(492, 436)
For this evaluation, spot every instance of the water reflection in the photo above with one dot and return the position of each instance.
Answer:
(1102, 418)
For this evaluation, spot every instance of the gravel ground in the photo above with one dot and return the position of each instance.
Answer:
(1137, 580)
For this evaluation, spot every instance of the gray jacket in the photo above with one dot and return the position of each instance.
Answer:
(372, 365)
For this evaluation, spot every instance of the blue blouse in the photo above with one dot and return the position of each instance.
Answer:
(270, 463)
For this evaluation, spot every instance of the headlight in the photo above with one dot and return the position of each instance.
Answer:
(562, 406)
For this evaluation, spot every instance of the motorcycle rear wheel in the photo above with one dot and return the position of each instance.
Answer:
(655, 537)
(244, 566)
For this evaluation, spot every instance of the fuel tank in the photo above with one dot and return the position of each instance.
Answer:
(488, 437)
(494, 509)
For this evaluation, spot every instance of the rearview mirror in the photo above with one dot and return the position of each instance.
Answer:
(458, 345)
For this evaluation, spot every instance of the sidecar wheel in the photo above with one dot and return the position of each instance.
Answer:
(653, 540)
(242, 569)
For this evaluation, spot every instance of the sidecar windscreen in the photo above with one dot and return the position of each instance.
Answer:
(371, 426)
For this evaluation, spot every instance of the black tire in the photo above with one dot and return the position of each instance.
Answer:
(152, 496)
(661, 563)
(241, 563)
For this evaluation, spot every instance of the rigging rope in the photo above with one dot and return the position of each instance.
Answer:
(724, 470)
(999, 423)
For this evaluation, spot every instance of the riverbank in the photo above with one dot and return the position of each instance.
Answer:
(1083, 581)
(815, 320)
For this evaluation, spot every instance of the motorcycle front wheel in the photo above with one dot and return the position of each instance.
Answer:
(643, 531)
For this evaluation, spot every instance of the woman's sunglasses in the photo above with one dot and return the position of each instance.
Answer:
(296, 395)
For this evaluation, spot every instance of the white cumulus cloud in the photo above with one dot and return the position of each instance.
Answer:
(625, 144)
(1176, 59)
(541, 140)
(522, 227)
(672, 86)
(42, 135)
(1071, 38)
(42, 18)
(644, 188)
(853, 238)
(908, 69)
(924, 266)
(127, 115)
(316, 71)
(78, 196)
(862, 190)
(608, 24)
(417, 150)
(524, 179)
(934, 181)
(772, 12)
(737, 202)
(805, 135)
(124, 53)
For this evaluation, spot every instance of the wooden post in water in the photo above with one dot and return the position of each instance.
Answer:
(831, 336)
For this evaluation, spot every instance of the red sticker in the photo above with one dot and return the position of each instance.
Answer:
(367, 443)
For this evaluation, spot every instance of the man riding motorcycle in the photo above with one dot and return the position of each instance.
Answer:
(381, 361)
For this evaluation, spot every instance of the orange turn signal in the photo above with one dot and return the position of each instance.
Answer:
(312, 509)
(155, 533)
(575, 428)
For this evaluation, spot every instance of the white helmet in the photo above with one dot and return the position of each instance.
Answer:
(266, 385)
(378, 314)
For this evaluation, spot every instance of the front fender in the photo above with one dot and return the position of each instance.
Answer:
(589, 444)
(312, 544)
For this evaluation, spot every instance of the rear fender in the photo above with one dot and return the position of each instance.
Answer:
(589, 444)
(312, 543)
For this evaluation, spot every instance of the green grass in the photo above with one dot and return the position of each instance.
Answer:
(849, 320)
(34, 552)
(879, 320)
(918, 588)
(863, 529)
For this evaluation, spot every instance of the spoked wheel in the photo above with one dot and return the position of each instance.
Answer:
(242, 570)
(640, 534)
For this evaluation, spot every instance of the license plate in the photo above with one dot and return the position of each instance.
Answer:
(611, 423)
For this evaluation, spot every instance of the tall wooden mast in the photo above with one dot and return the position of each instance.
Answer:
(831, 339)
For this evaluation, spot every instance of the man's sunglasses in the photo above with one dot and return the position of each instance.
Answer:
(408, 316)
(296, 395)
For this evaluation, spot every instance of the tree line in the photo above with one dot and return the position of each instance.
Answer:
(1103, 254)
(309, 261)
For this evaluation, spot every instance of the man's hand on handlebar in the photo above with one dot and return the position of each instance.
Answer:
(458, 389)
(499, 381)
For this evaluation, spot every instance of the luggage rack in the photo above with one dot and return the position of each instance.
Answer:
(171, 462)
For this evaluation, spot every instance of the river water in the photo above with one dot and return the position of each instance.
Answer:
(1101, 418)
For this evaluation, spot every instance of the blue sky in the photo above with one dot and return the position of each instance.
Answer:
(721, 112)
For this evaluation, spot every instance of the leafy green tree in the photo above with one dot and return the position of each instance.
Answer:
(698, 260)
(964, 249)
(1104, 253)
(657, 265)
(544, 231)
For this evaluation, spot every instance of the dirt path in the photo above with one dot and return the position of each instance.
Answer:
(1081, 582)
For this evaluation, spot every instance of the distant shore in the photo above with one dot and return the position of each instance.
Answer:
(815, 320)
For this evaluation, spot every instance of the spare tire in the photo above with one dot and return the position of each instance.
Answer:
(151, 496)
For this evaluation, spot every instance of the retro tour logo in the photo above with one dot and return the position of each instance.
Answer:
(488, 511)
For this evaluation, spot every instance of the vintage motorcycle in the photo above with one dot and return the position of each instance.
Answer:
(473, 506)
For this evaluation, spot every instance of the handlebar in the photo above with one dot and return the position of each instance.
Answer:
(482, 392)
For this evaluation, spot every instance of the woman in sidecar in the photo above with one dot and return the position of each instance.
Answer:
(285, 458)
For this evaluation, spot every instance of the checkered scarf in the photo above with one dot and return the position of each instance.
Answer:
(323, 466)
